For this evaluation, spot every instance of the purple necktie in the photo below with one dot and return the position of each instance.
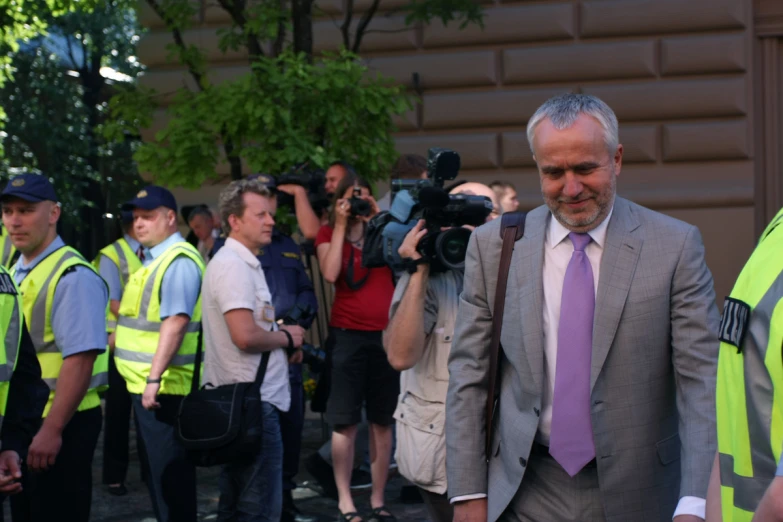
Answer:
(571, 439)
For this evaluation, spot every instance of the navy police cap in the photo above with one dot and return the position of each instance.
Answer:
(30, 187)
(152, 197)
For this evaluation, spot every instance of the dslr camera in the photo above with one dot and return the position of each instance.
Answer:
(313, 180)
(359, 206)
(428, 200)
(313, 356)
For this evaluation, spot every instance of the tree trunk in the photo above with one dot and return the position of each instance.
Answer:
(302, 18)
(93, 236)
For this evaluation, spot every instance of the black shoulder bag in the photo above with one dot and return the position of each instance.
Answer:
(218, 425)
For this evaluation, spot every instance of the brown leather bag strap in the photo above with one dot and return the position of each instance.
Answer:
(511, 230)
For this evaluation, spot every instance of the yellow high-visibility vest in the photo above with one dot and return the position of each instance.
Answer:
(10, 333)
(121, 254)
(7, 249)
(138, 328)
(38, 297)
(750, 379)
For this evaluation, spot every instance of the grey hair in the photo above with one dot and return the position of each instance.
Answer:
(232, 201)
(563, 111)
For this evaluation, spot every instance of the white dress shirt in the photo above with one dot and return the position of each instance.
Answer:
(557, 254)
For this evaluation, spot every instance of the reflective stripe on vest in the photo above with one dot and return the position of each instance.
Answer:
(11, 333)
(7, 250)
(138, 328)
(121, 254)
(38, 298)
(749, 394)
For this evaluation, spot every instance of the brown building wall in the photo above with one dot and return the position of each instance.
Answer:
(678, 73)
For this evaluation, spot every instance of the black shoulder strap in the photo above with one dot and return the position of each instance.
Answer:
(261, 373)
(512, 228)
(197, 364)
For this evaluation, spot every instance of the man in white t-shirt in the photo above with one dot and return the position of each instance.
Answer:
(239, 326)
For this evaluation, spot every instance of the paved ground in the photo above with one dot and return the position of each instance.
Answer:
(136, 507)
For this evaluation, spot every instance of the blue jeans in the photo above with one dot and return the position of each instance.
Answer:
(252, 491)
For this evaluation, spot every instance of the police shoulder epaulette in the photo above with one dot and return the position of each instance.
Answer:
(291, 255)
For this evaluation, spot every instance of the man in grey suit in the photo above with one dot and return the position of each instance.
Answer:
(607, 374)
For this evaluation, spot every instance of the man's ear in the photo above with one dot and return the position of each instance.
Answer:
(233, 222)
(54, 213)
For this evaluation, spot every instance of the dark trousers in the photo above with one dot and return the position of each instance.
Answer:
(63, 492)
(116, 430)
(171, 477)
(291, 425)
(438, 506)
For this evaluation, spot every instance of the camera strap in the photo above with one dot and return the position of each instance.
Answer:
(349, 280)
(512, 228)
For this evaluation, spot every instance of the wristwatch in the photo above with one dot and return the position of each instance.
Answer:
(153, 381)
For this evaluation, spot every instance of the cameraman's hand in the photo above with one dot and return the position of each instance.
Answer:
(291, 189)
(408, 247)
(342, 212)
(297, 333)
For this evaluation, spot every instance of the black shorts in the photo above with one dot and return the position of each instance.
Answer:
(361, 375)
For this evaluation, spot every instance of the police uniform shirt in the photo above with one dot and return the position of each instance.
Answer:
(181, 284)
(286, 276)
(110, 272)
(79, 306)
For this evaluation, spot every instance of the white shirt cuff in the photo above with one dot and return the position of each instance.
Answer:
(691, 506)
(468, 497)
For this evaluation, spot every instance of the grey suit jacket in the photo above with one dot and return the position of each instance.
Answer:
(653, 373)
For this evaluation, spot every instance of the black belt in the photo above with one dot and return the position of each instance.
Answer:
(543, 451)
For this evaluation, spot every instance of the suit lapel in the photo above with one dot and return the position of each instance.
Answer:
(618, 264)
(527, 265)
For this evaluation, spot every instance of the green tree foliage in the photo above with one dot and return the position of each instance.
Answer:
(291, 106)
(57, 101)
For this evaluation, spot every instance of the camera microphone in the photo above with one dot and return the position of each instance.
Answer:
(433, 197)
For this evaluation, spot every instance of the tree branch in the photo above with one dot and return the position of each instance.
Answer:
(362, 29)
(228, 143)
(70, 53)
(346, 27)
(236, 8)
(277, 46)
(178, 40)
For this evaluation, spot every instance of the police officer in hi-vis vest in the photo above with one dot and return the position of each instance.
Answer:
(116, 263)
(65, 303)
(155, 347)
(23, 394)
(749, 396)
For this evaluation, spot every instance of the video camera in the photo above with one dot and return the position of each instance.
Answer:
(427, 199)
(314, 357)
(313, 180)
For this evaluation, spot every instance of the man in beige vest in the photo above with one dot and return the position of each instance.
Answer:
(418, 343)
